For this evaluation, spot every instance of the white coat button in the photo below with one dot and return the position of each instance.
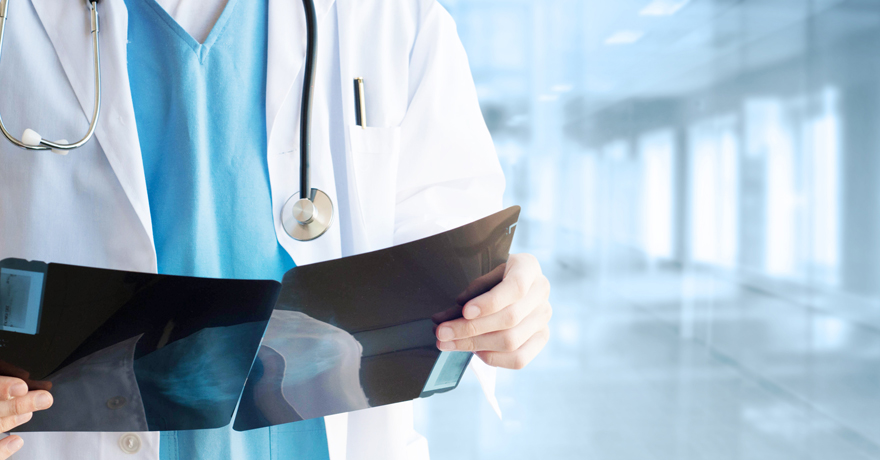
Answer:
(130, 443)
(116, 402)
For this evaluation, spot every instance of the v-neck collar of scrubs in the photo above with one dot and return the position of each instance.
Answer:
(201, 49)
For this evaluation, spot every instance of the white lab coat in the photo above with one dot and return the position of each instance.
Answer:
(426, 163)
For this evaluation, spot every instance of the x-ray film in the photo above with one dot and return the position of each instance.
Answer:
(358, 332)
(129, 351)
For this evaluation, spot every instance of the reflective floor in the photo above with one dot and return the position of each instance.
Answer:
(675, 366)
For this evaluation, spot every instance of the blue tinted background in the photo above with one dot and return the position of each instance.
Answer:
(700, 181)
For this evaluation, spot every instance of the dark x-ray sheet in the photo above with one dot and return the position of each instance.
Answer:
(131, 351)
(358, 332)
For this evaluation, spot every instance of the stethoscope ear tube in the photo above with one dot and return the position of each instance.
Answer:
(305, 216)
(307, 92)
(33, 141)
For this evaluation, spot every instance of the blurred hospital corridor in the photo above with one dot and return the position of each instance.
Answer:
(701, 181)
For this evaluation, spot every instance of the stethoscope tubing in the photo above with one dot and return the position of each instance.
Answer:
(307, 92)
(306, 215)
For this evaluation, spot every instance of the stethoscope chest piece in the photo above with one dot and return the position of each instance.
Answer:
(307, 219)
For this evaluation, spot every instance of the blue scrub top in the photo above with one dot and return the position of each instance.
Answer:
(201, 119)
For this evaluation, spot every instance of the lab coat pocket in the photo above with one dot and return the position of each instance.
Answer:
(375, 153)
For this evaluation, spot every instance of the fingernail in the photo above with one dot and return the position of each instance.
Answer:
(471, 311)
(446, 346)
(22, 418)
(445, 334)
(19, 389)
(15, 444)
(43, 401)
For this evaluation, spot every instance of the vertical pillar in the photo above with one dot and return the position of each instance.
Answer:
(860, 210)
(681, 195)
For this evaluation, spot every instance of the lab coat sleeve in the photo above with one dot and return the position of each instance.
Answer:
(453, 176)
(450, 174)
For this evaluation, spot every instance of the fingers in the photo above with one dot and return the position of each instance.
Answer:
(520, 273)
(507, 318)
(18, 408)
(506, 326)
(21, 405)
(446, 315)
(8, 423)
(507, 339)
(482, 284)
(520, 358)
(12, 387)
(10, 445)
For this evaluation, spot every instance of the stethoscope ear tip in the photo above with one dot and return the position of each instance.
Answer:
(61, 152)
(31, 137)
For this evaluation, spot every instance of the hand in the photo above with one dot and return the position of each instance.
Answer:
(19, 398)
(506, 326)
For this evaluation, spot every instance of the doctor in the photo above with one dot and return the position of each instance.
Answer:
(196, 152)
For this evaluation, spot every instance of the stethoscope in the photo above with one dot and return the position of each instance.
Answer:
(305, 216)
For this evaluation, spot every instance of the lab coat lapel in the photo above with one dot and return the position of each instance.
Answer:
(347, 11)
(286, 56)
(67, 24)
(287, 51)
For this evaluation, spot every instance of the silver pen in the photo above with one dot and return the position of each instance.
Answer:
(360, 114)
